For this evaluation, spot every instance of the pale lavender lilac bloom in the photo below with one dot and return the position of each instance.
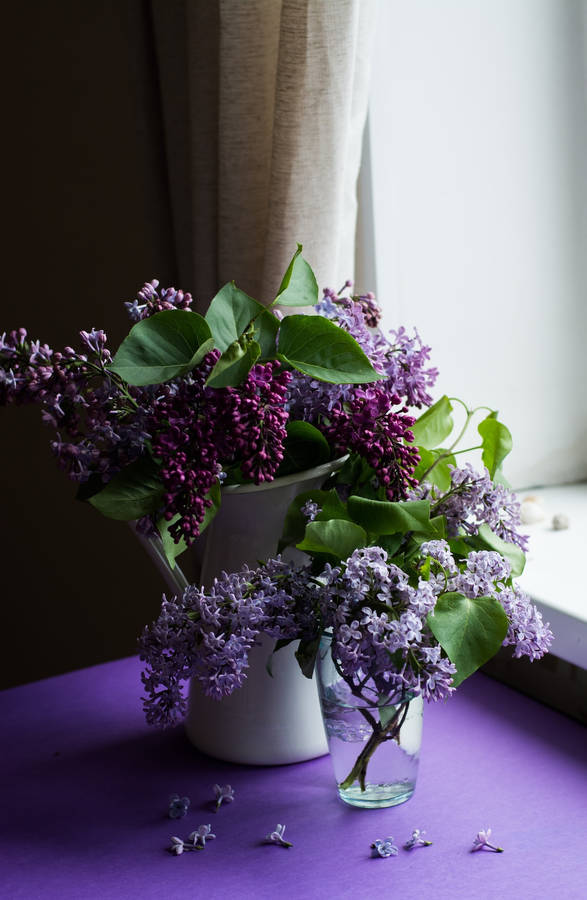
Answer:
(481, 842)
(472, 500)
(384, 848)
(197, 839)
(209, 634)
(224, 793)
(417, 840)
(277, 837)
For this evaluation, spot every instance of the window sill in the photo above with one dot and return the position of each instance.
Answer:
(553, 577)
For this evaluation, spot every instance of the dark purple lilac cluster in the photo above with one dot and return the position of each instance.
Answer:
(199, 432)
(368, 425)
(377, 613)
(150, 301)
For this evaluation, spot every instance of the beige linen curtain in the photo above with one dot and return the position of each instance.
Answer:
(264, 103)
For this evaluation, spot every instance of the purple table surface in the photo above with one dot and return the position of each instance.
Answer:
(85, 786)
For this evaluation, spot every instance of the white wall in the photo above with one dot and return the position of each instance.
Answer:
(479, 165)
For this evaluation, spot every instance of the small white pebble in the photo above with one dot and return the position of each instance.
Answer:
(560, 522)
(531, 511)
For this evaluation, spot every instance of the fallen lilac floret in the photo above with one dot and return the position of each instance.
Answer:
(197, 839)
(224, 794)
(481, 842)
(417, 840)
(384, 848)
(276, 837)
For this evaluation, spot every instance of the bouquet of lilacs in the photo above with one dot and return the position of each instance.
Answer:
(189, 403)
(414, 619)
(411, 558)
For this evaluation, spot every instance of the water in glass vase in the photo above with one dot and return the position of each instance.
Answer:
(374, 770)
(374, 747)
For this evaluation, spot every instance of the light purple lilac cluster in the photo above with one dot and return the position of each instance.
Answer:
(401, 358)
(485, 573)
(209, 634)
(100, 428)
(150, 301)
(380, 638)
(381, 641)
(472, 500)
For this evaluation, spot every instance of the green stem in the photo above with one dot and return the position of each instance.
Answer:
(447, 453)
(379, 736)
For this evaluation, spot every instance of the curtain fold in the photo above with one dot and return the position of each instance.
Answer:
(265, 103)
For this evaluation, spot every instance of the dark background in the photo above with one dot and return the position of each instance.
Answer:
(86, 221)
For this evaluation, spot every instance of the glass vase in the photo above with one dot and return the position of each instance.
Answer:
(375, 749)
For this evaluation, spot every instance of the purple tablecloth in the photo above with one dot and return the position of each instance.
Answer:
(85, 784)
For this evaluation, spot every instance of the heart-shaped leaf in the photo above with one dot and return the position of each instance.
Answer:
(135, 491)
(385, 517)
(266, 326)
(335, 537)
(298, 286)
(230, 313)
(469, 631)
(434, 425)
(162, 347)
(486, 539)
(319, 348)
(294, 525)
(234, 365)
(497, 443)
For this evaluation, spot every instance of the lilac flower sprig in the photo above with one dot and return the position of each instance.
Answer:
(377, 613)
(276, 837)
(481, 842)
(417, 840)
(223, 793)
(384, 848)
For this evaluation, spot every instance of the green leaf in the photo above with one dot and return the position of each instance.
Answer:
(306, 655)
(159, 348)
(298, 286)
(335, 537)
(390, 543)
(266, 326)
(304, 448)
(229, 315)
(434, 426)
(486, 539)
(135, 491)
(440, 473)
(497, 443)
(469, 631)
(385, 517)
(319, 348)
(294, 525)
(234, 365)
(173, 550)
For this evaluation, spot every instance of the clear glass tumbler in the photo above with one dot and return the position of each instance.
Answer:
(375, 750)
